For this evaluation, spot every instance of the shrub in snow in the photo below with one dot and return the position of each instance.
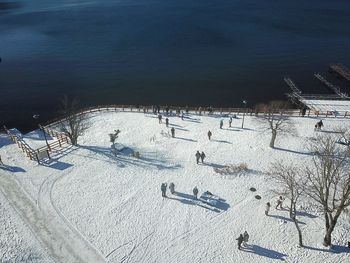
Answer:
(112, 139)
(232, 169)
(136, 154)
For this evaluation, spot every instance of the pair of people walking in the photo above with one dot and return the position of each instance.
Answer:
(242, 239)
(200, 156)
(279, 204)
(163, 188)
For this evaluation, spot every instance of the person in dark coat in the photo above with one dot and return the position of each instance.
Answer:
(172, 188)
(163, 189)
(182, 116)
(202, 156)
(209, 135)
(240, 241)
(267, 208)
(167, 122)
(230, 122)
(245, 238)
(160, 118)
(280, 202)
(195, 192)
(221, 124)
(173, 132)
(198, 156)
(1, 163)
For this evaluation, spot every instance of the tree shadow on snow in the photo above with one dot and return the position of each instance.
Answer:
(292, 151)
(265, 252)
(337, 249)
(123, 158)
(306, 214)
(286, 219)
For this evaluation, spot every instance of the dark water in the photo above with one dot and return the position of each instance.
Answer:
(181, 52)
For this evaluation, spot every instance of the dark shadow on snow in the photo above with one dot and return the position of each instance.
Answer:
(337, 249)
(4, 140)
(123, 158)
(292, 151)
(185, 139)
(189, 199)
(306, 214)
(264, 252)
(12, 169)
(286, 219)
(37, 135)
(55, 164)
(221, 141)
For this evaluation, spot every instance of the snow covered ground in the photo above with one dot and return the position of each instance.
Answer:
(111, 206)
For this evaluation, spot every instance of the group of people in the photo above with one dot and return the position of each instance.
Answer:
(243, 239)
(279, 204)
(164, 186)
(200, 156)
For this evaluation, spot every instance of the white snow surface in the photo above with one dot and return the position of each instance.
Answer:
(110, 207)
(17, 242)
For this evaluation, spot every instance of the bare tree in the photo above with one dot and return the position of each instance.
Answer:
(275, 121)
(74, 123)
(328, 180)
(112, 139)
(291, 185)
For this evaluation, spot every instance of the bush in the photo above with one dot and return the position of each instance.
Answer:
(232, 169)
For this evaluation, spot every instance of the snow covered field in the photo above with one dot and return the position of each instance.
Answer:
(98, 206)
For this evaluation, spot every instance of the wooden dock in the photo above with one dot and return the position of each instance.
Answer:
(341, 70)
(332, 87)
(292, 85)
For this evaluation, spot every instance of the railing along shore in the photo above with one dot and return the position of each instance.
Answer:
(173, 110)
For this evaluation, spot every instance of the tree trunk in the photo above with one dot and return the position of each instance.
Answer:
(294, 218)
(273, 138)
(327, 241)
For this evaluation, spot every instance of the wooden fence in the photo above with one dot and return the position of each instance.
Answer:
(42, 152)
(173, 110)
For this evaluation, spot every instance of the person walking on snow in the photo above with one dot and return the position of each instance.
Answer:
(280, 202)
(1, 163)
(173, 132)
(160, 118)
(182, 116)
(195, 192)
(240, 241)
(198, 156)
(230, 122)
(202, 156)
(163, 189)
(267, 208)
(209, 135)
(172, 188)
(167, 122)
(245, 238)
(221, 124)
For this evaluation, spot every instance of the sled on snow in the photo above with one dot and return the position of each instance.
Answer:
(211, 199)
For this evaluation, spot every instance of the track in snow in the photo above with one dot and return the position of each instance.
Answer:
(63, 242)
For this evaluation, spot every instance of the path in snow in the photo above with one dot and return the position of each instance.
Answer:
(64, 243)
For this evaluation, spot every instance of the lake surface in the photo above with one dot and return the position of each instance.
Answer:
(168, 52)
